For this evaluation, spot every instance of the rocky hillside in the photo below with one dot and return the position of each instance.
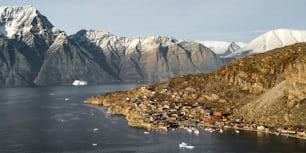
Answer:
(267, 89)
(34, 52)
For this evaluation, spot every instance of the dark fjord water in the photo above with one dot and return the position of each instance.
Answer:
(42, 120)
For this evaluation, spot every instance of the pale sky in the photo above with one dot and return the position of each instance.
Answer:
(224, 20)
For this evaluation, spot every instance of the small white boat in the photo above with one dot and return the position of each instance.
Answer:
(220, 131)
(260, 128)
(79, 83)
(196, 131)
(237, 131)
(145, 132)
(211, 130)
(94, 144)
(95, 130)
(67, 99)
(185, 145)
(189, 130)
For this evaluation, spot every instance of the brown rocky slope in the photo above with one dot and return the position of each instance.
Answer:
(267, 89)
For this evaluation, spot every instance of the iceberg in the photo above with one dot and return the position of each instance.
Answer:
(79, 83)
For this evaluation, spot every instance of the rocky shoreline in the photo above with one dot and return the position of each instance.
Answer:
(163, 110)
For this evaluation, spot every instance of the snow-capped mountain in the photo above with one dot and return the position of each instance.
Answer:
(270, 40)
(145, 59)
(220, 47)
(110, 43)
(25, 36)
(16, 22)
(233, 47)
(34, 52)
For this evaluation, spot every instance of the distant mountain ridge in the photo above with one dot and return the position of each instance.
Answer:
(270, 40)
(222, 47)
(34, 52)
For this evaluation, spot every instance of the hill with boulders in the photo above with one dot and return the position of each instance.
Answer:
(267, 88)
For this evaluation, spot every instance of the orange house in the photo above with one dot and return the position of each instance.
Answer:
(218, 114)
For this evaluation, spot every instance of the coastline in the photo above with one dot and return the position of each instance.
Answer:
(163, 110)
(273, 133)
(204, 127)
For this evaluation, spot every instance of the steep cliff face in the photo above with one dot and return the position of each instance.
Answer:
(20, 63)
(16, 68)
(296, 81)
(65, 62)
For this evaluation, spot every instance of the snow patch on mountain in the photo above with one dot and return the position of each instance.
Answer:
(219, 47)
(233, 47)
(108, 42)
(16, 20)
(270, 40)
(131, 45)
(60, 39)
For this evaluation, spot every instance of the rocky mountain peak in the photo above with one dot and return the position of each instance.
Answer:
(233, 47)
(17, 21)
(222, 48)
(93, 34)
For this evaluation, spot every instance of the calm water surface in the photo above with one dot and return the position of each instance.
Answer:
(55, 120)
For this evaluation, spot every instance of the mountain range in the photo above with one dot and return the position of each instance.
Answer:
(222, 48)
(33, 52)
(270, 40)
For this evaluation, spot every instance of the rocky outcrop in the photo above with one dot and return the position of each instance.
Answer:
(296, 81)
